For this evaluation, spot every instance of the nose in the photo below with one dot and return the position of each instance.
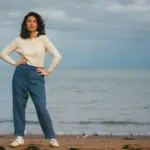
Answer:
(31, 23)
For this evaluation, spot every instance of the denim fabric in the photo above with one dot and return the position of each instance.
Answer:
(27, 81)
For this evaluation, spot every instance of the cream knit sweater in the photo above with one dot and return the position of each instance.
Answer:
(33, 50)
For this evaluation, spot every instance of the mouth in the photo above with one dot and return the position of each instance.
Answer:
(31, 27)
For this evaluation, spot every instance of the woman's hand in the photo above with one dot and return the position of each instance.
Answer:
(21, 61)
(42, 71)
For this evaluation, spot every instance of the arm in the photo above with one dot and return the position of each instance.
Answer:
(4, 54)
(53, 52)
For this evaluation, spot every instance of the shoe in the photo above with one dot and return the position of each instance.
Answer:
(53, 143)
(17, 142)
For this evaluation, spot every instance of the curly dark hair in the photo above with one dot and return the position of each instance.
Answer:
(40, 25)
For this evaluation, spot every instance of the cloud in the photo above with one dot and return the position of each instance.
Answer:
(59, 15)
(91, 26)
(14, 14)
(136, 6)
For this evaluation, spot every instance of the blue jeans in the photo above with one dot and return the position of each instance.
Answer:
(27, 81)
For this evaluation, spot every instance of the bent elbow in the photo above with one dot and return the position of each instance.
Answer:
(59, 57)
(2, 55)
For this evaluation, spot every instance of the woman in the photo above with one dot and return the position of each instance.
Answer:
(28, 78)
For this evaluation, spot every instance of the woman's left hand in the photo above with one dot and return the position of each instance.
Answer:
(42, 71)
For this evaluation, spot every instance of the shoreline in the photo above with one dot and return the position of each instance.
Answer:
(96, 142)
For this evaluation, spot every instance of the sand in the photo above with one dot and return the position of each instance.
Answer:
(82, 143)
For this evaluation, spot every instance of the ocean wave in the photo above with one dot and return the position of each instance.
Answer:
(108, 122)
(27, 121)
(125, 122)
(102, 134)
(145, 107)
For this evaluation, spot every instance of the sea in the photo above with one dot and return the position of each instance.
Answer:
(90, 101)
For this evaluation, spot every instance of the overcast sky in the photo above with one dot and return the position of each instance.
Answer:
(88, 33)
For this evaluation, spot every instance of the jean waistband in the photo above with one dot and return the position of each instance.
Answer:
(27, 66)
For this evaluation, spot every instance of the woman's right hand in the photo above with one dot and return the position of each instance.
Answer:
(21, 61)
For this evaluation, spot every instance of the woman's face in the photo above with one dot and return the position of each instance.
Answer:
(31, 24)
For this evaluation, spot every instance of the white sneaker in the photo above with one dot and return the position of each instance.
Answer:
(17, 142)
(53, 143)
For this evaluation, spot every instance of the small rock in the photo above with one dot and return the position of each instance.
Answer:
(85, 136)
(2, 148)
(32, 147)
(73, 148)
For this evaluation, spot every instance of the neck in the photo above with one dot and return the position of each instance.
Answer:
(32, 34)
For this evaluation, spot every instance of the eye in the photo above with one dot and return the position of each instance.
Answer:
(28, 21)
(34, 21)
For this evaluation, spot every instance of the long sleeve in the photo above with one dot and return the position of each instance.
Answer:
(4, 54)
(53, 52)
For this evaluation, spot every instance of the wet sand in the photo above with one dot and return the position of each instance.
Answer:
(82, 142)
